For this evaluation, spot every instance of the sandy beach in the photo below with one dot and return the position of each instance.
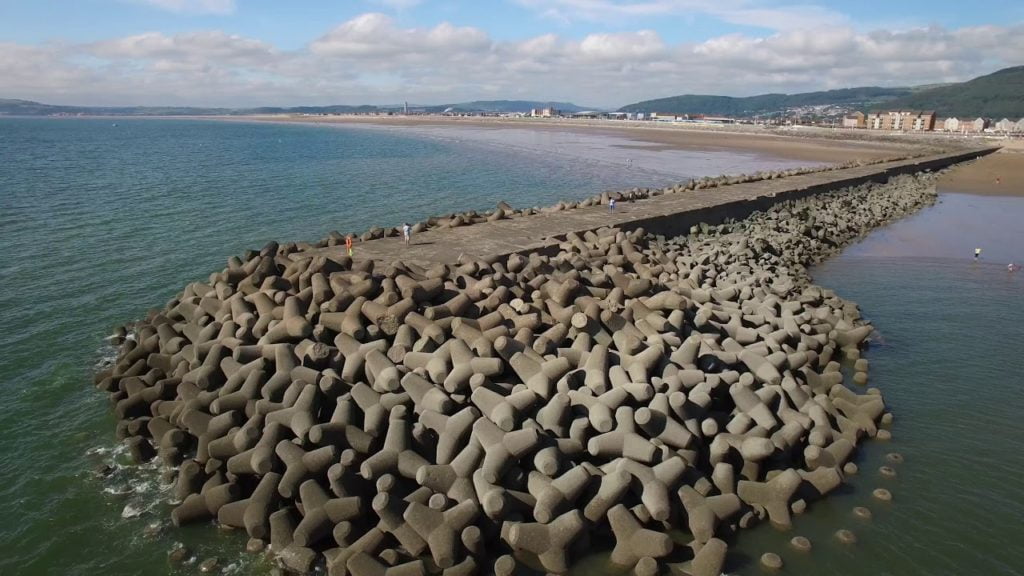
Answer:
(999, 174)
(822, 147)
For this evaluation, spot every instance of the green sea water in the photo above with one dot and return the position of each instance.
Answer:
(99, 223)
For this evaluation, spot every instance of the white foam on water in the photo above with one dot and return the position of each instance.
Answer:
(117, 490)
(99, 450)
(131, 511)
(142, 485)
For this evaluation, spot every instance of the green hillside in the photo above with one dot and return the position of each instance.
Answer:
(767, 103)
(997, 95)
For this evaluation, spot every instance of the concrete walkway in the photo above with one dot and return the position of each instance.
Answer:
(668, 214)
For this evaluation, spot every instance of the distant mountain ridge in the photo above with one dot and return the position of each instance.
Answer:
(12, 107)
(512, 106)
(766, 104)
(996, 95)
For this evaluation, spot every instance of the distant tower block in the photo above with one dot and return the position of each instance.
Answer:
(406, 109)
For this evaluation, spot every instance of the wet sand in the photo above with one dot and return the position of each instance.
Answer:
(1000, 174)
(820, 149)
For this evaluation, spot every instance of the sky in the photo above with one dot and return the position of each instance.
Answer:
(595, 53)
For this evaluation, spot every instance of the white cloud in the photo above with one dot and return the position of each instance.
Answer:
(371, 59)
(212, 46)
(641, 45)
(375, 35)
(193, 6)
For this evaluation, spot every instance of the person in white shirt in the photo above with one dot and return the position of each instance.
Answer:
(407, 233)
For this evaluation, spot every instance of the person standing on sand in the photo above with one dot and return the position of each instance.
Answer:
(348, 244)
(407, 233)
(977, 253)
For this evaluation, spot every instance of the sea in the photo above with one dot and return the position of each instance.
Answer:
(103, 219)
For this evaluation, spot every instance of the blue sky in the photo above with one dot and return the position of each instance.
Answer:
(594, 52)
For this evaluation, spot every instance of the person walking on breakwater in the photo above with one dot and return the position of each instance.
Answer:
(977, 253)
(611, 204)
(348, 244)
(407, 233)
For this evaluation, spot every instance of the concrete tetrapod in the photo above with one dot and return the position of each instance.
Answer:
(773, 495)
(634, 542)
(441, 529)
(549, 541)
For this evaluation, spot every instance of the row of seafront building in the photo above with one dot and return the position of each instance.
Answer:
(651, 116)
(891, 121)
(927, 121)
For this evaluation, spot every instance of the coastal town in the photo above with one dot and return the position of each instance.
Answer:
(885, 121)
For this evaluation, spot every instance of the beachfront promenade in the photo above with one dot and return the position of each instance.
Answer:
(669, 214)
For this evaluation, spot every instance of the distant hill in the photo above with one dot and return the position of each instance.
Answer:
(997, 95)
(767, 104)
(29, 108)
(511, 106)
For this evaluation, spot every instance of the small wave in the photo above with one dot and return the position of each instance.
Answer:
(132, 511)
(120, 490)
(142, 486)
(99, 451)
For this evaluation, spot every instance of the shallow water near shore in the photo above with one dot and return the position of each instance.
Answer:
(99, 227)
(947, 355)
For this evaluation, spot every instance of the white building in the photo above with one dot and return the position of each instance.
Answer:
(1005, 125)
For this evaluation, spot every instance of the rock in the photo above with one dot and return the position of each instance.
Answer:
(800, 543)
(771, 561)
(178, 555)
(209, 566)
(845, 536)
(255, 546)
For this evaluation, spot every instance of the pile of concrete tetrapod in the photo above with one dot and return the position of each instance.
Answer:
(482, 416)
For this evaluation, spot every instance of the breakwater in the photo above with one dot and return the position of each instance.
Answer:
(440, 417)
(667, 211)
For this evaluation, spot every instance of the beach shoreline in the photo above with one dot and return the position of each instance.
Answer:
(999, 174)
(808, 145)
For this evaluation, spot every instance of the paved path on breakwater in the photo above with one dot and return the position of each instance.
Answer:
(669, 214)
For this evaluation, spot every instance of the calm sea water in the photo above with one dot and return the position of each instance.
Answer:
(99, 223)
